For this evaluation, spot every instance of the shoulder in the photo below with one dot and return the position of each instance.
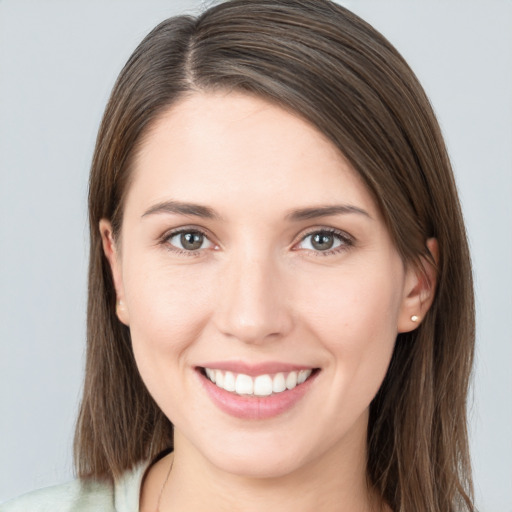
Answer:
(74, 496)
(83, 496)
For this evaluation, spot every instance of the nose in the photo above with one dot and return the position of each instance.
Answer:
(253, 305)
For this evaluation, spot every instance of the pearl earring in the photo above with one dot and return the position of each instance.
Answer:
(414, 318)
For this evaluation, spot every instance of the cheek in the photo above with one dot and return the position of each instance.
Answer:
(354, 315)
(354, 307)
(168, 309)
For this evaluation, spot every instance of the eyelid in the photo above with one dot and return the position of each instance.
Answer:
(164, 240)
(348, 241)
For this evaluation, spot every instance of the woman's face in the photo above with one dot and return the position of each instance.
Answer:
(252, 252)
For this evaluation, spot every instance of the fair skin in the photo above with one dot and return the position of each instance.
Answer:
(250, 287)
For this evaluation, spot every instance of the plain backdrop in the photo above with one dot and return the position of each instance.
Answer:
(58, 62)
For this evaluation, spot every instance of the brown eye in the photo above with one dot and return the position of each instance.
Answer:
(189, 241)
(322, 241)
(326, 241)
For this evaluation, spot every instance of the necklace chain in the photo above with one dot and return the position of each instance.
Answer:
(163, 486)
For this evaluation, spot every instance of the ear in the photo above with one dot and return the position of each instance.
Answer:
(112, 254)
(419, 290)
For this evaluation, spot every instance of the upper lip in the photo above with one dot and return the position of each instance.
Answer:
(255, 369)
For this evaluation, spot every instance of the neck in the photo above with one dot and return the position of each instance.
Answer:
(334, 481)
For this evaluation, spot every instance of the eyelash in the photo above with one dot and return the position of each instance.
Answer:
(176, 250)
(346, 241)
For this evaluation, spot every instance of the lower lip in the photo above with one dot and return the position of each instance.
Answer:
(256, 407)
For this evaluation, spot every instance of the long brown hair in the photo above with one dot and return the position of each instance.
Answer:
(319, 60)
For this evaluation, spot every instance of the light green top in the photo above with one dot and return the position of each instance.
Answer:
(79, 496)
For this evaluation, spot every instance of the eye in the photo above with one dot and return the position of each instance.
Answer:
(325, 241)
(188, 240)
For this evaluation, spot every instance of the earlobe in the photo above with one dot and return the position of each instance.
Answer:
(112, 254)
(122, 312)
(419, 290)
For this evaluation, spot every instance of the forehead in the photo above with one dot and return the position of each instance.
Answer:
(224, 148)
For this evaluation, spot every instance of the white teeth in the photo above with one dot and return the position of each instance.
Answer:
(244, 385)
(262, 385)
(303, 375)
(291, 380)
(229, 382)
(278, 383)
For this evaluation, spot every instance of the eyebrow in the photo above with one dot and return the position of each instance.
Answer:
(182, 208)
(324, 211)
(301, 214)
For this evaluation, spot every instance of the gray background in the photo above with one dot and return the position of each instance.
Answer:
(58, 62)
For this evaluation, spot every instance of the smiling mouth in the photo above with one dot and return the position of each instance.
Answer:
(259, 385)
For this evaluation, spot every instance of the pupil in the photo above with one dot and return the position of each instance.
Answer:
(191, 241)
(323, 241)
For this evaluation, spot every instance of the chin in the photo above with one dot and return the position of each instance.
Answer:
(260, 464)
(259, 455)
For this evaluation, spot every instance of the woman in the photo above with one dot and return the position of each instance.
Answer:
(279, 270)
